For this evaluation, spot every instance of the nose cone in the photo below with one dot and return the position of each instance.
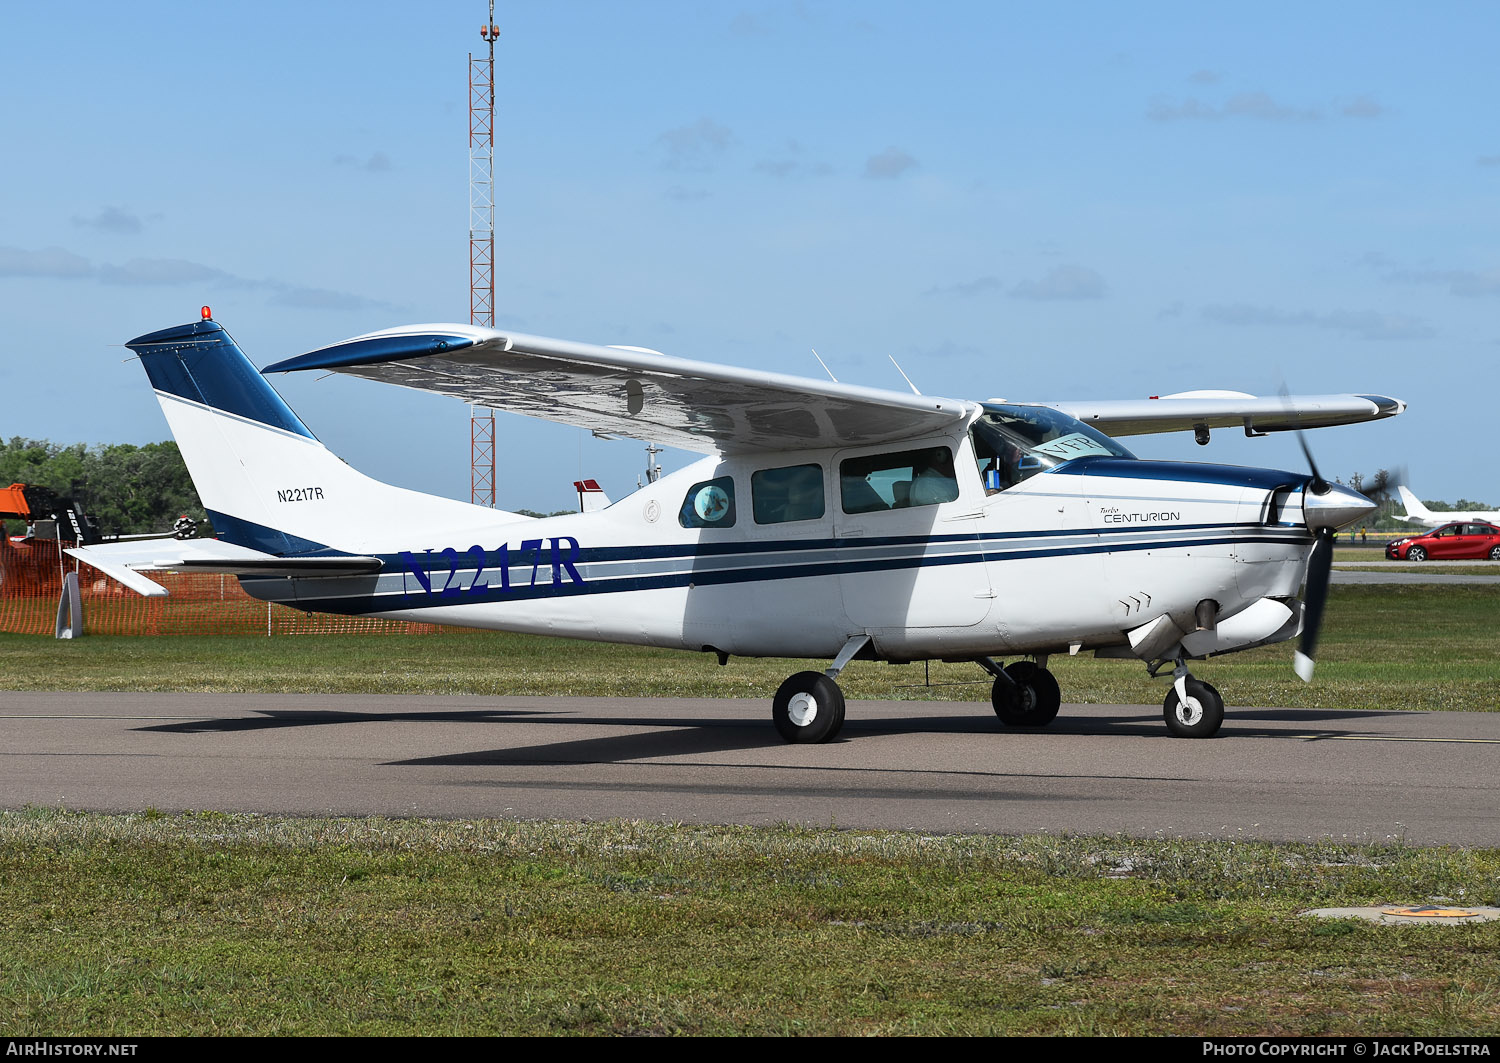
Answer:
(1334, 506)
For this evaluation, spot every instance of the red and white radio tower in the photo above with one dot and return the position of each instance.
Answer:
(482, 248)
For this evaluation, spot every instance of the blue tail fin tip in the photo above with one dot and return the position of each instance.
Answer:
(201, 363)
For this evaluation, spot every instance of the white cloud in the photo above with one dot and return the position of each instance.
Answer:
(695, 146)
(305, 298)
(968, 289)
(892, 162)
(166, 272)
(48, 262)
(378, 162)
(777, 167)
(111, 220)
(1462, 282)
(1362, 107)
(1063, 282)
(791, 163)
(1366, 324)
(1256, 105)
(748, 24)
(1260, 105)
(946, 349)
(158, 271)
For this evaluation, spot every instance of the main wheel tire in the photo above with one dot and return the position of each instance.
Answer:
(1030, 700)
(1416, 553)
(1200, 716)
(809, 707)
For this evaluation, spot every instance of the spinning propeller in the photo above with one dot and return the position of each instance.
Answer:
(1326, 508)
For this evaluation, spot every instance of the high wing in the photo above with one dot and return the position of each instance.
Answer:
(629, 391)
(125, 561)
(1228, 409)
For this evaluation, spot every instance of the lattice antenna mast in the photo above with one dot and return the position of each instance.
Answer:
(482, 247)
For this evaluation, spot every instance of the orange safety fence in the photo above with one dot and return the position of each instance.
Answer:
(31, 576)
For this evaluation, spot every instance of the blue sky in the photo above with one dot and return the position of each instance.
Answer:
(1034, 201)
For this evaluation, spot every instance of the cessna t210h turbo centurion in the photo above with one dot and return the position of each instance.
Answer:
(826, 521)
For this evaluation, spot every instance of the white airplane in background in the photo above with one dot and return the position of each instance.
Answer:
(1420, 514)
(827, 520)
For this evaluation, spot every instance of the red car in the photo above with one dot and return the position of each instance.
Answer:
(1452, 542)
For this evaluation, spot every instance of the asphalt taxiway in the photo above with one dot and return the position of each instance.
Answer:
(1275, 774)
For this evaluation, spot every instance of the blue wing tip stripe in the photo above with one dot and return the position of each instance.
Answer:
(374, 351)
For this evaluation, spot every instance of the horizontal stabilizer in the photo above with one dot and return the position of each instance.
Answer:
(125, 561)
(284, 566)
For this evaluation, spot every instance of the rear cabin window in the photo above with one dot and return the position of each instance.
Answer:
(902, 480)
(780, 496)
(709, 504)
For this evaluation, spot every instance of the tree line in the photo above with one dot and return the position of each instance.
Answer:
(1380, 488)
(126, 488)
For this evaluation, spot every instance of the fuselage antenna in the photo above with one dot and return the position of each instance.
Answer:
(904, 377)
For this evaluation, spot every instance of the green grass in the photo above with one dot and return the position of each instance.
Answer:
(1383, 647)
(216, 924)
(1425, 568)
(1371, 552)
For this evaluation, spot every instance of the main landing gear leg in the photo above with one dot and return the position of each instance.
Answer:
(1025, 694)
(809, 707)
(1193, 708)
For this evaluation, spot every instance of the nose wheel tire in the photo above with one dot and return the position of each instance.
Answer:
(809, 707)
(1199, 716)
(1030, 700)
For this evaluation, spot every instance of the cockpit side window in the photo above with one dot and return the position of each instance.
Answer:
(902, 480)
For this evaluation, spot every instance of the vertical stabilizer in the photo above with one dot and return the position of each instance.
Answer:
(591, 497)
(265, 480)
(1414, 508)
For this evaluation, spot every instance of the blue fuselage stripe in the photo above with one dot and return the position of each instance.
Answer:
(754, 569)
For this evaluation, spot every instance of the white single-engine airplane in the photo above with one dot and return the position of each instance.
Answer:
(1420, 514)
(827, 521)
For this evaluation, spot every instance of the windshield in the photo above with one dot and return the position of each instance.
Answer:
(1014, 443)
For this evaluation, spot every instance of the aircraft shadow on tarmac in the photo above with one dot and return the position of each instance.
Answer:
(269, 719)
(654, 737)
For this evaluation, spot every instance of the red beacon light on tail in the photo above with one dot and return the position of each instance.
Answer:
(208, 314)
